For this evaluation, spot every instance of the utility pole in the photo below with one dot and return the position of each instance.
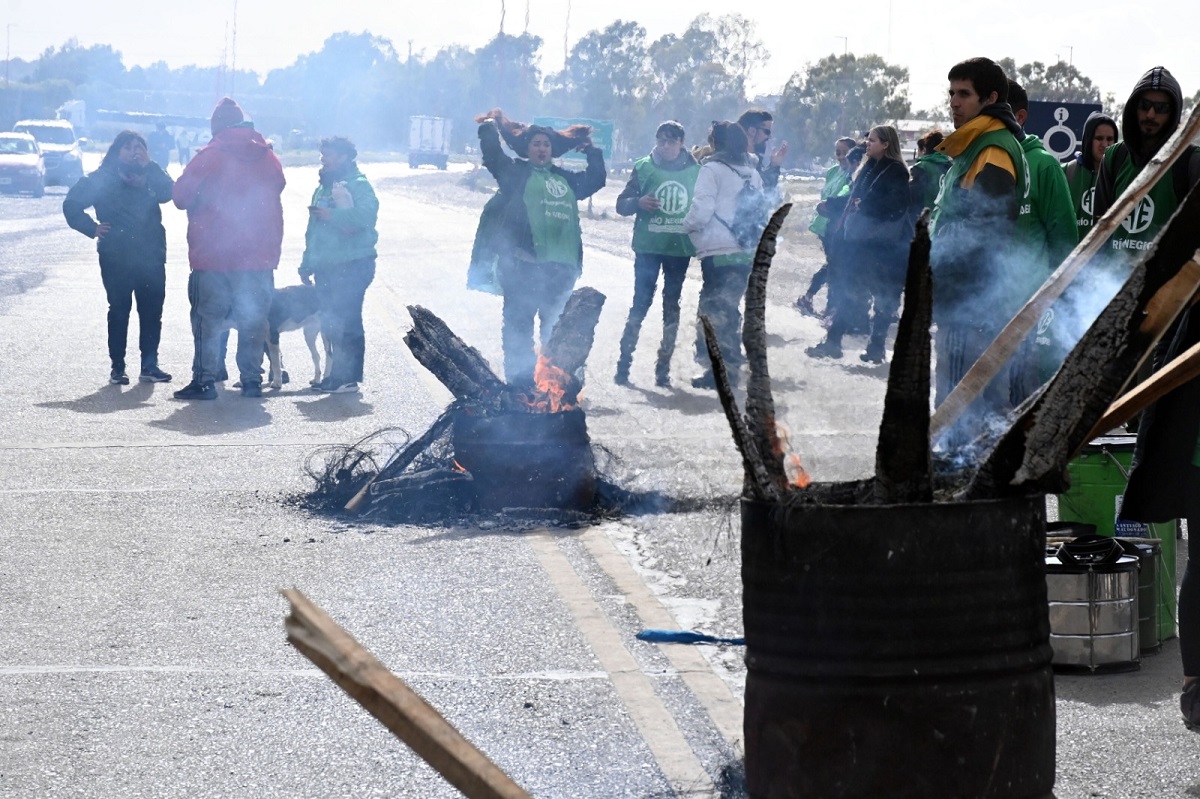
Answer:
(8, 26)
(233, 51)
(845, 44)
(1070, 55)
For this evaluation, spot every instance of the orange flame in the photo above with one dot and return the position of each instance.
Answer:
(792, 467)
(550, 386)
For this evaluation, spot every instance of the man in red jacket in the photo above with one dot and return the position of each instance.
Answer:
(231, 191)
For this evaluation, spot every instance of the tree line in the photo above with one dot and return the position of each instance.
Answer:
(360, 85)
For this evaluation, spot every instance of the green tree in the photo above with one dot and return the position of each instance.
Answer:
(507, 75)
(840, 95)
(1059, 82)
(80, 65)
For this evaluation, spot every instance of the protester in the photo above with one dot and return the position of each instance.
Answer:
(542, 252)
(1150, 117)
(659, 193)
(339, 252)
(126, 191)
(875, 233)
(758, 125)
(161, 143)
(973, 224)
(837, 182)
(1099, 133)
(927, 173)
(231, 191)
(183, 147)
(724, 264)
(1165, 485)
(1046, 233)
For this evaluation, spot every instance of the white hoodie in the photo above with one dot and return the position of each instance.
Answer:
(716, 192)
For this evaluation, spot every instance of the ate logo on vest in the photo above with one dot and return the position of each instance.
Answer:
(1086, 201)
(556, 187)
(672, 197)
(1139, 218)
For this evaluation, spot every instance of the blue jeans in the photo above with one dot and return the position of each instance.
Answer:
(531, 290)
(721, 295)
(646, 267)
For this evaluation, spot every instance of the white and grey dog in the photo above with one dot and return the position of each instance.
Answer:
(296, 308)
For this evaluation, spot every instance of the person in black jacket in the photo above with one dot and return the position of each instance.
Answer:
(1165, 485)
(126, 191)
(538, 235)
(873, 235)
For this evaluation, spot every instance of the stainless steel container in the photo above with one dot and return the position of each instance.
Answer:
(1094, 614)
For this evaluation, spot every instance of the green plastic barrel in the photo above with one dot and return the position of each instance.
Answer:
(1098, 479)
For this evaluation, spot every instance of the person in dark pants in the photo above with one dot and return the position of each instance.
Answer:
(231, 191)
(539, 236)
(339, 252)
(659, 193)
(1164, 485)
(724, 263)
(126, 192)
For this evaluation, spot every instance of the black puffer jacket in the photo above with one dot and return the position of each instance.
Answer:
(136, 236)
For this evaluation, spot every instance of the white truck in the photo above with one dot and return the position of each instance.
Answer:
(429, 141)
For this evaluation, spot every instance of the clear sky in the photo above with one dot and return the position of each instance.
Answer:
(1110, 42)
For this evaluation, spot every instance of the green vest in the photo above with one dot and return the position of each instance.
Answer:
(935, 166)
(950, 196)
(553, 217)
(836, 179)
(661, 232)
(1082, 182)
(1153, 211)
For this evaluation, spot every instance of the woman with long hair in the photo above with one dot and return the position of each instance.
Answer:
(126, 191)
(724, 264)
(874, 232)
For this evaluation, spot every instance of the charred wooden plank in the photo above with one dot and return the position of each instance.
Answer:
(386, 697)
(903, 461)
(433, 357)
(1184, 368)
(1009, 339)
(1055, 424)
(465, 358)
(575, 331)
(758, 482)
(405, 456)
(760, 403)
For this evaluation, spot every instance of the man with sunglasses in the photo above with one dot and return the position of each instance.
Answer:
(758, 124)
(1150, 117)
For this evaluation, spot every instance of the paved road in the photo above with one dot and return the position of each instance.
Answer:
(144, 542)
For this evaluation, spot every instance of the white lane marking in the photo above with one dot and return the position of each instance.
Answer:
(651, 717)
(723, 706)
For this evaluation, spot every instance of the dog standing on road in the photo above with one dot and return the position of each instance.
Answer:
(296, 308)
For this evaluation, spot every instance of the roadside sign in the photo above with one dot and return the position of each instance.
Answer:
(602, 134)
(1059, 125)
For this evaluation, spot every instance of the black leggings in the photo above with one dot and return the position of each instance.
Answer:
(123, 283)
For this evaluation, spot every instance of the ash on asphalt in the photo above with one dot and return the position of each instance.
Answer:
(340, 472)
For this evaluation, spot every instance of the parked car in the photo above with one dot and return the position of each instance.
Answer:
(60, 148)
(22, 167)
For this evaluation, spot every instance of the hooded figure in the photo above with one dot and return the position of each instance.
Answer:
(1150, 117)
(1099, 132)
(231, 191)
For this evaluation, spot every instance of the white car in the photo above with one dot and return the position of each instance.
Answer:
(60, 148)
(22, 167)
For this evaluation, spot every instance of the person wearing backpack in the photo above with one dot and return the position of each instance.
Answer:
(658, 195)
(727, 180)
(1150, 117)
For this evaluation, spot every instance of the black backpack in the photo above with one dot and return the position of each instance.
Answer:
(751, 211)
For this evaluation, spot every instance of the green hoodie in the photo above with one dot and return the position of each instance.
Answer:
(349, 235)
(837, 182)
(1046, 225)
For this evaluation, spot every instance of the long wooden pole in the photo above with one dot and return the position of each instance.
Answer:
(1009, 339)
(1184, 367)
(389, 699)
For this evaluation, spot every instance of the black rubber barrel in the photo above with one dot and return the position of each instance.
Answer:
(898, 651)
(527, 460)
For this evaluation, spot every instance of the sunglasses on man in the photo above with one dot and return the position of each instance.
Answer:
(1159, 106)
